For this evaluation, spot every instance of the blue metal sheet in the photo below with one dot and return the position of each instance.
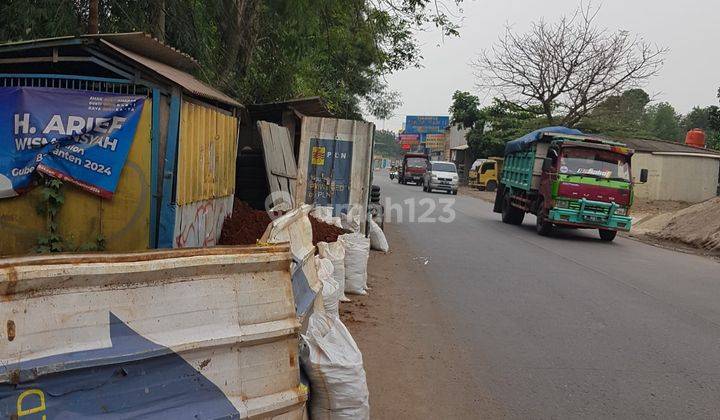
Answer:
(133, 378)
(166, 226)
(329, 173)
(155, 159)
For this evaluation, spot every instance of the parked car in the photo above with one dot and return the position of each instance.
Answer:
(441, 176)
(413, 168)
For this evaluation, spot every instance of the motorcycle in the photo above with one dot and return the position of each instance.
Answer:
(393, 174)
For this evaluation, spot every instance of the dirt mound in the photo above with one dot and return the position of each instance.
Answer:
(697, 226)
(244, 226)
(324, 232)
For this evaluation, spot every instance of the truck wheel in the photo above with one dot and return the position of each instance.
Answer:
(511, 214)
(454, 192)
(607, 235)
(543, 226)
(491, 186)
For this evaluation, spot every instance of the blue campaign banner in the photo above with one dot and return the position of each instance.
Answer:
(426, 124)
(81, 137)
(329, 172)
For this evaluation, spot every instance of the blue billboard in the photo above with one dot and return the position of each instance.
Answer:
(329, 172)
(425, 124)
(81, 137)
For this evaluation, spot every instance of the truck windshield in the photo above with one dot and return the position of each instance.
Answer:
(416, 162)
(594, 163)
(443, 167)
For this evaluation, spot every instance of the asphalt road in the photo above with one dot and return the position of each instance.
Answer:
(562, 327)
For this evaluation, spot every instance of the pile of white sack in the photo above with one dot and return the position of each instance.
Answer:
(334, 365)
(329, 355)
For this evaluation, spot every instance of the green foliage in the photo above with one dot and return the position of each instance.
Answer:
(52, 199)
(465, 109)
(386, 144)
(706, 119)
(664, 122)
(499, 123)
(620, 115)
(265, 50)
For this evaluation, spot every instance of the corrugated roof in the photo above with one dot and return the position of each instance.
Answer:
(663, 146)
(138, 42)
(147, 46)
(143, 50)
(185, 80)
(312, 107)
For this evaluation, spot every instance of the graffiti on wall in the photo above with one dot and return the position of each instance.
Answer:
(200, 223)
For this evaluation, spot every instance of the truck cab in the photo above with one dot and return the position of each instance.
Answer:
(570, 180)
(484, 173)
(413, 168)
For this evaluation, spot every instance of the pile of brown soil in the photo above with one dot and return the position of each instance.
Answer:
(245, 226)
(323, 232)
(697, 226)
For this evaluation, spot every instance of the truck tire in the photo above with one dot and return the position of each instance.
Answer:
(491, 186)
(511, 214)
(497, 205)
(607, 235)
(542, 225)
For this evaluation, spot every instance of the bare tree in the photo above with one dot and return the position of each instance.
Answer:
(563, 70)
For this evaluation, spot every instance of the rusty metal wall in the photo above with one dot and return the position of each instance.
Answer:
(197, 333)
(207, 150)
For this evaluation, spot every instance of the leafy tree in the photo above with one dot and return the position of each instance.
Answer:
(664, 122)
(619, 115)
(500, 122)
(386, 144)
(264, 50)
(706, 119)
(465, 109)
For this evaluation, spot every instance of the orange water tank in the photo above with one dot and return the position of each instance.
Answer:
(695, 138)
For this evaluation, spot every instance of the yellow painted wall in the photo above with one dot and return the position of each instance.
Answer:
(124, 221)
(207, 152)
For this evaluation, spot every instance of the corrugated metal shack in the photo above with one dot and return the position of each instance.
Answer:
(331, 157)
(179, 179)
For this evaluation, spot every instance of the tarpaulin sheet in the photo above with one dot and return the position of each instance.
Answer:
(133, 378)
(81, 137)
(523, 142)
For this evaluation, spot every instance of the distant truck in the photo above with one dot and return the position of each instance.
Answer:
(484, 173)
(413, 168)
(569, 179)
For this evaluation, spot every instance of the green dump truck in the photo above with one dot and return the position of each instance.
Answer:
(567, 178)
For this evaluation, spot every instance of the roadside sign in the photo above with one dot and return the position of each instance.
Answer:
(426, 124)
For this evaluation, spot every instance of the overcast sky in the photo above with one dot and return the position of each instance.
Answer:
(690, 28)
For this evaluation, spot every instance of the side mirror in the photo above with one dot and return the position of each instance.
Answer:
(547, 164)
(643, 175)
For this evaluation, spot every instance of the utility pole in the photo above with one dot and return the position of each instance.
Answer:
(94, 16)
